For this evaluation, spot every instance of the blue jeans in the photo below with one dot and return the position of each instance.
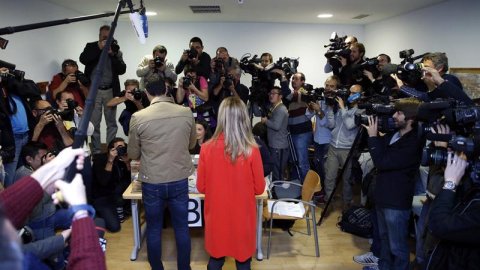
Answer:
(279, 157)
(60, 220)
(301, 142)
(20, 141)
(320, 158)
(155, 196)
(393, 229)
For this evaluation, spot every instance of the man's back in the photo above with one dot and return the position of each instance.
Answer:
(161, 135)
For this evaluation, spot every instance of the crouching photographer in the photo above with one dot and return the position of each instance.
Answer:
(455, 216)
(111, 176)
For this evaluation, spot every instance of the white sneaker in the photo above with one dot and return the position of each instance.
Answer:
(366, 259)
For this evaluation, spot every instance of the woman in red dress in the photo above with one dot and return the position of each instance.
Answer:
(230, 174)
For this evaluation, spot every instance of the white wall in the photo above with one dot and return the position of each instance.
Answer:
(450, 27)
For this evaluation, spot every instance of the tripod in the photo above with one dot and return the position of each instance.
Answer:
(294, 154)
(340, 172)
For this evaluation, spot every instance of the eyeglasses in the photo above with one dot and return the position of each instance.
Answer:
(273, 93)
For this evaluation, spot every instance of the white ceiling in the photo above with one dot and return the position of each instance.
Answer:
(282, 11)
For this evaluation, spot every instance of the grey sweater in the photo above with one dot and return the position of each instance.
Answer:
(344, 128)
(277, 128)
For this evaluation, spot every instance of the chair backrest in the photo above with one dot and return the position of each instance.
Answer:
(311, 181)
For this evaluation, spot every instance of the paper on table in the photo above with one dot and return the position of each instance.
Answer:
(287, 209)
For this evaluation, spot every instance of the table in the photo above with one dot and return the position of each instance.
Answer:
(139, 233)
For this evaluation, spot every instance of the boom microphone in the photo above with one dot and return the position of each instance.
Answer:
(137, 26)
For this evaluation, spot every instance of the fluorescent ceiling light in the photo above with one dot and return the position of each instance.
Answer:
(326, 15)
(150, 13)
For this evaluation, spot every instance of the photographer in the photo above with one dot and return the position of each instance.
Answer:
(156, 64)
(16, 120)
(351, 72)
(277, 132)
(220, 65)
(454, 219)
(344, 131)
(112, 175)
(195, 57)
(336, 70)
(49, 128)
(109, 84)
(379, 86)
(192, 92)
(396, 156)
(229, 85)
(440, 84)
(322, 134)
(134, 100)
(71, 80)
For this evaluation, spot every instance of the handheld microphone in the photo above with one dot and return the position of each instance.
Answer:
(137, 26)
(354, 97)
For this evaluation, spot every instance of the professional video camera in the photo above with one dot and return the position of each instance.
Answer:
(313, 94)
(192, 53)
(247, 65)
(158, 61)
(383, 112)
(457, 115)
(15, 73)
(288, 65)
(336, 48)
(409, 71)
(137, 94)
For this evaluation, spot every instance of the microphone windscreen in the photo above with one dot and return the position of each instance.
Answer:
(388, 69)
(144, 19)
(354, 97)
(137, 26)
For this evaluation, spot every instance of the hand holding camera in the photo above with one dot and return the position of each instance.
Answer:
(70, 78)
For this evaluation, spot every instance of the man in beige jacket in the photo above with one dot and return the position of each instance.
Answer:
(160, 136)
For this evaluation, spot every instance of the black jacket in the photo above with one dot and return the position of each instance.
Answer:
(455, 219)
(396, 166)
(90, 57)
(105, 182)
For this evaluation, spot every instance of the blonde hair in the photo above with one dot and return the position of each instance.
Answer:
(233, 121)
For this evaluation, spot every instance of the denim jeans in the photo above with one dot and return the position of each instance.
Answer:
(320, 158)
(60, 220)
(155, 196)
(20, 141)
(301, 142)
(279, 157)
(393, 229)
(217, 264)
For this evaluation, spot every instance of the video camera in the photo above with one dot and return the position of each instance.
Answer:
(336, 48)
(408, 71)
(12, 72)
(383, 112)
(247, 65)
(288, 65)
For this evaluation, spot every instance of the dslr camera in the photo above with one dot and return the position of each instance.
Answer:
(192, 53)
(219, 64)
(187, 80)
(121, 150)
(158, 61)
(137, 94)
(229, 80)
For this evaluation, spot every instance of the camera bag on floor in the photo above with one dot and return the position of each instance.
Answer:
(357, 221)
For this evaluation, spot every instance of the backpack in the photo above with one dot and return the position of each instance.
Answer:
(357, 221)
